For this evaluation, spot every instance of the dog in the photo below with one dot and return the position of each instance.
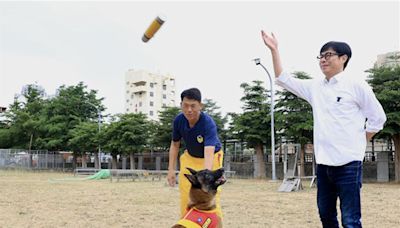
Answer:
(201, 206)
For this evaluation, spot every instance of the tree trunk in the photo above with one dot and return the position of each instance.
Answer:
(260, 160)
(114, 162)
(74, 161)
(30, 160)
(132, 160)
(84, 164)
(396, 140)
(97, 162)
(302, 160)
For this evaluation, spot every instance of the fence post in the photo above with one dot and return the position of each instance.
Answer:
(123, 161)
(255, 166)
(382, 166)
(158, 163)
(227, 162)
(285, 160)
(140, 162)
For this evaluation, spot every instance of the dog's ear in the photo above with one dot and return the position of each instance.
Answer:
(192, 171)
(192, 179)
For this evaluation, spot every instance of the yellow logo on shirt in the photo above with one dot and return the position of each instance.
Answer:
(200, 139)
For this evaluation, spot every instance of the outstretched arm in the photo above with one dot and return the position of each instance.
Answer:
(173, 154)
(272, 43)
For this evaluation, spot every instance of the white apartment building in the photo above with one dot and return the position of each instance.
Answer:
(388, 59)
(148, 93)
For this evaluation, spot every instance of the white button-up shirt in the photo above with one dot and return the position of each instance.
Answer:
(340, 109)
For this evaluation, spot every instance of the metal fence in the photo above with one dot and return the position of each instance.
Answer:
(241, 160)
(34, 159)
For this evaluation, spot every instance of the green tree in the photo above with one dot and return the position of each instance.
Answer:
(385, 82)
(211, 108)
(253, 125)
(84, 138)
(71, 106)
(294, 119)
(161, 139)
(24, 118)
(128, 134)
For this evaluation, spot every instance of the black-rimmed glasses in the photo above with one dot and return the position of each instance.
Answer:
(327, 55)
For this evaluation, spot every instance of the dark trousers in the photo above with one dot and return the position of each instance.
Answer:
(343, 182)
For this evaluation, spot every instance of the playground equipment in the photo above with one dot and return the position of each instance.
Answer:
(292, 180)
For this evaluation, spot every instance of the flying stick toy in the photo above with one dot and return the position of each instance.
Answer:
(153, 28)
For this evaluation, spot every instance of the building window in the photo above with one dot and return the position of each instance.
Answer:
(127, 110)
(151, 103)
(140, 104)
(151, 113)
(151, 85)
(164, 96)
(164, 105)
(132, 96)
(127, 101)
(164, 87)
(151, 94)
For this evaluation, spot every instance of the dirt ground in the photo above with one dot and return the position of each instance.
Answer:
(31, 199)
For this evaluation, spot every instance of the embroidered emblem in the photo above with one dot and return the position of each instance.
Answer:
(200, 139)
(206, 223)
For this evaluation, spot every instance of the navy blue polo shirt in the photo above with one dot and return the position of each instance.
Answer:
(203, 133)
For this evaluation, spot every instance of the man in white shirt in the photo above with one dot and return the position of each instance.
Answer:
(346, 115)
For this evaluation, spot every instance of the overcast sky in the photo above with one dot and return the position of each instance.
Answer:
(208, 45)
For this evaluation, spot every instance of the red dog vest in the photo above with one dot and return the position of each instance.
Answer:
(195, 218)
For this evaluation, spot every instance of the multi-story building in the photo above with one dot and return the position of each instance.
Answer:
(148, 93)
(389, 59)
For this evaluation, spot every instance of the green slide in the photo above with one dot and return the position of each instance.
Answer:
(102, 174)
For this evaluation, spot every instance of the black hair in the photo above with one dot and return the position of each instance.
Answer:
(192, 94)
(339, 47)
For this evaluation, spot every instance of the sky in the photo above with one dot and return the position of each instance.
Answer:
(209, 45)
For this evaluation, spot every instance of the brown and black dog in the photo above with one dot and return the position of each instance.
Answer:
(201, 206)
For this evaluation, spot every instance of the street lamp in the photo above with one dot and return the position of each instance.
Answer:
(258, 62)
(99, 124)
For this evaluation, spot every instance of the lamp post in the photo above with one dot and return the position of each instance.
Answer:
(99, 124)
(258, 62)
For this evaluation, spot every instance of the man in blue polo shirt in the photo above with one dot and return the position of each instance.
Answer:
(203, 148)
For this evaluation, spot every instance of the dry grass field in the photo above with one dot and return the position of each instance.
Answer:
(29, 199)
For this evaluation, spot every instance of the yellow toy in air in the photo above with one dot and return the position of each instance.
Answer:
(153, 28)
